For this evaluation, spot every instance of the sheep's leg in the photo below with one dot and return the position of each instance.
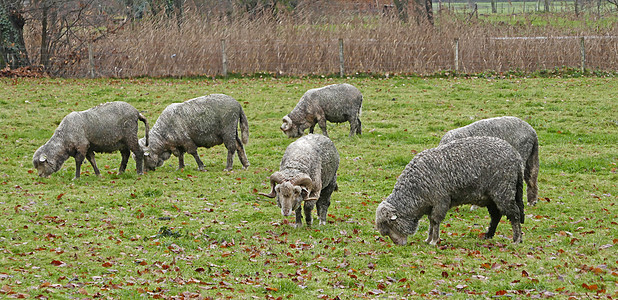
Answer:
(241, 154)
(514, 214)
(126, 153)
(324, 202)
(79, 159)
(435, 218)
(434, 232)
(429, 232)
(230, 158)
(308, 207)
(196, 156)
(531, 177)
(138, 156)
(517, 234)
(495, 216)
(299, 217)
(90, 158)
(311, 128)
(354, 126)
(181, 160)
(322, 123)
(358, 126)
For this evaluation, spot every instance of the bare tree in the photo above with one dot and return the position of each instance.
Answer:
(12, 45)
(423, 10)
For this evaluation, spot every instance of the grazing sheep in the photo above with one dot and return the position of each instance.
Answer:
(105, 128)
(516, 132)
(335, 103)
(484, 171)
(308, 172)
(201, 122)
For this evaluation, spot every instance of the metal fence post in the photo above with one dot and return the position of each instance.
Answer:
(223, 58)
(582, 50)
(456, 54)
(341, 58)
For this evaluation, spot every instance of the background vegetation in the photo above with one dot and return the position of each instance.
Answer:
(186, 234)
(133, 38)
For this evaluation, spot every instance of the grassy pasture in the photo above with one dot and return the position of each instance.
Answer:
(183, 233)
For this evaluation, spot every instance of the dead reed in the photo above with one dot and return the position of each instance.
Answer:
(296, 44)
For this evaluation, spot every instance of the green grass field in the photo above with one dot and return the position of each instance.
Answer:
(188, 234)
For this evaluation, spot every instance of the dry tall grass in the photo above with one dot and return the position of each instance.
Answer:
(298, 44)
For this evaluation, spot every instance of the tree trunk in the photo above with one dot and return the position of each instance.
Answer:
(402, 9)
(44, 59)
(429, 11)
(12, 45)
(547, 5)
(178, 9)
(494, 9)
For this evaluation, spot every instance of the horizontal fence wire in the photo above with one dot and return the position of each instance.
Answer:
(320, 56)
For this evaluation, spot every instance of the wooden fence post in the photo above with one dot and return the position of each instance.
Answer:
(90, 60)
(456, 55)
(341, 59)
(223, 58)
(582, 49)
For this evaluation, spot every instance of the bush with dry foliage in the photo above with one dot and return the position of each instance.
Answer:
(305, 42)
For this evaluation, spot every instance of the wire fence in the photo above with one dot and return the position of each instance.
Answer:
(353, 56)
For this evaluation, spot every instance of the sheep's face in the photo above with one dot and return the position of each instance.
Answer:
(153, 160)
(289, 197)
(397, 237)
(46, 165)
(291, 129)
(389, 224)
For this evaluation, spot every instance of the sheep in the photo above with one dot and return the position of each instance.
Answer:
(335, 103)
(516, 132)
(105, 128)
(484, 171)
(308, 172)
(205, 121)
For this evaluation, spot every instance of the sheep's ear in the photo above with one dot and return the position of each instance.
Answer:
(43, 158)
(394, 217)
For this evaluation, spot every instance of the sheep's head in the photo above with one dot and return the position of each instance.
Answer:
(291, 130)
(44, 166)
(290, 194)
(389, 224)
(47, 162)
(152, 160)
